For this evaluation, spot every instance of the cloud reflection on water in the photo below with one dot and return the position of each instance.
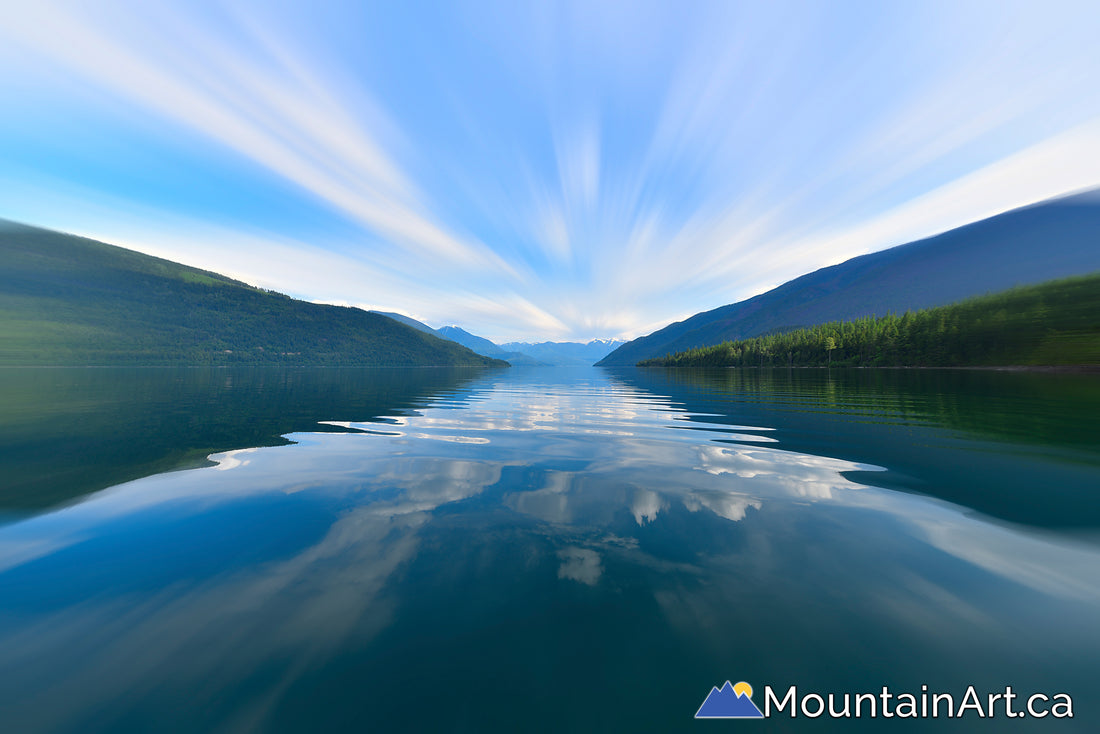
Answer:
(718, 530)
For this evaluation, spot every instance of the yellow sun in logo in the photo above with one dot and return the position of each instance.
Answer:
(743, 688)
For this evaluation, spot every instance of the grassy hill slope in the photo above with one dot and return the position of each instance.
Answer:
(67, 300)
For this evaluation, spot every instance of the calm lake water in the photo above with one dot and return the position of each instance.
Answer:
(539, 549)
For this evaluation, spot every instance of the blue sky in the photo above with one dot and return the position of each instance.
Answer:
(538, 170)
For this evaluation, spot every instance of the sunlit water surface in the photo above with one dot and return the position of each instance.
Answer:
(539, 549)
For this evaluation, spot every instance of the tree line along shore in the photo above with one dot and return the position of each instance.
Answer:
(1051, 324)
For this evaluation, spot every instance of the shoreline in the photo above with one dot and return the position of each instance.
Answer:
(1054, 369)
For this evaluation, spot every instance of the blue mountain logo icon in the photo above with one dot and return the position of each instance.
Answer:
(729, 702)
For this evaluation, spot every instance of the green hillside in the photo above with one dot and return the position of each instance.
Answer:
(1055, 323)
(67, 300)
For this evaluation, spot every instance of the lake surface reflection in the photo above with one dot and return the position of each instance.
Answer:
(539, 549)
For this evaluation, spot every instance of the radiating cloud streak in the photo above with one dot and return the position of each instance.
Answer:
(262, 109)
(532, 171)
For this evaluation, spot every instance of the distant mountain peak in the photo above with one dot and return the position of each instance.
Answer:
(479, 344)
(408, 321)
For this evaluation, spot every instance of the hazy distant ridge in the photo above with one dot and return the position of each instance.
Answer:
(519, 353)
(566, 353)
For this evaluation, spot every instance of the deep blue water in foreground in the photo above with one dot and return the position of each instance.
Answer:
(539, 549)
